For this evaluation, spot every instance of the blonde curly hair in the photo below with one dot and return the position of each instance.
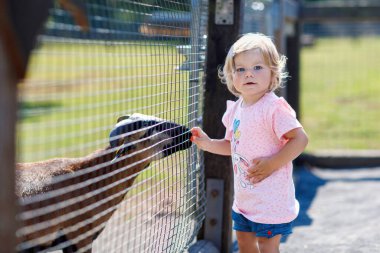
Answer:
(272, 58)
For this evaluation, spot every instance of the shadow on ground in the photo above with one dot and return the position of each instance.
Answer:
(307, 183)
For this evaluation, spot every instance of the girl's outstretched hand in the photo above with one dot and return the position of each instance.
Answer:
(261, 168)
(200, 138)
(215, 146)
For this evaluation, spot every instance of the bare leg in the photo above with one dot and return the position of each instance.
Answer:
(247, 242)
(271, 245)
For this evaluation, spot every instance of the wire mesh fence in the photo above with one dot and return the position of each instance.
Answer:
(88, 179)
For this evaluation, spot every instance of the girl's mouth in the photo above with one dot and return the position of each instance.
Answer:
(250, 83)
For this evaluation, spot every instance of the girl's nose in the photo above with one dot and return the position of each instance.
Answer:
(249, 73)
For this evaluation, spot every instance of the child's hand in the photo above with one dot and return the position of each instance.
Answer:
(215, 146)
(261, 168)
(200, 138)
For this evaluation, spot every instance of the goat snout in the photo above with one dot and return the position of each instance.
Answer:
(180, 140)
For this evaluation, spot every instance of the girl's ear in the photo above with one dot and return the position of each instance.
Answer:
(273, 81)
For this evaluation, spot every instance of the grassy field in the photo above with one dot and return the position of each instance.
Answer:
(340, 93)
(74, 94)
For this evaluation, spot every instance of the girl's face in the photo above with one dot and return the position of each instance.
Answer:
(251, 77)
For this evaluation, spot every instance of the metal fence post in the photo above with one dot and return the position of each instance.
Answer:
(223, 29)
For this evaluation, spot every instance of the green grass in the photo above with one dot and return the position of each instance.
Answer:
(74, 93)
(340, 93)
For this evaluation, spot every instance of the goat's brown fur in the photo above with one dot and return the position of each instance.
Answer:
(126, 168)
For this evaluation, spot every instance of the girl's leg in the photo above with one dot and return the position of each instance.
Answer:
(247, 242)
(269, 245)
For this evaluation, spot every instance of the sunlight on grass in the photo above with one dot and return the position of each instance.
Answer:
(74, 93)
(340, 90)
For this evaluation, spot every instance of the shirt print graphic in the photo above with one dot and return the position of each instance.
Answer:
(240, 163)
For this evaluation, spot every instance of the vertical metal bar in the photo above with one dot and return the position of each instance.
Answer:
(193, 85)
(214, 213)
(192, 156)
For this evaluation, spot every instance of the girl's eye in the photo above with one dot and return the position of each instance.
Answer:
(257, 67)
(240, 70)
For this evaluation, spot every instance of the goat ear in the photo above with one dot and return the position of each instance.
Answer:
(136, 136)
(123, 118)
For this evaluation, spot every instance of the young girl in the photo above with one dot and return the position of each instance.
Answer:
(263, 136)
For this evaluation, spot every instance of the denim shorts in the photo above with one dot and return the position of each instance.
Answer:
(262, 230)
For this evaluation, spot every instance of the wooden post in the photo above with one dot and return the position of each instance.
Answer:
(293, 49)
(220, 38)
(278, 34)
(7, 152)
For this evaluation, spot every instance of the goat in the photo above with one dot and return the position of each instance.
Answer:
(91, 187)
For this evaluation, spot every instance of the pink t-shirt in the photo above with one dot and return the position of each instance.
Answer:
(257, 131)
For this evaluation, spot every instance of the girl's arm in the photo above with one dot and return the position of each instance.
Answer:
(216, 146)
(265, 166)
